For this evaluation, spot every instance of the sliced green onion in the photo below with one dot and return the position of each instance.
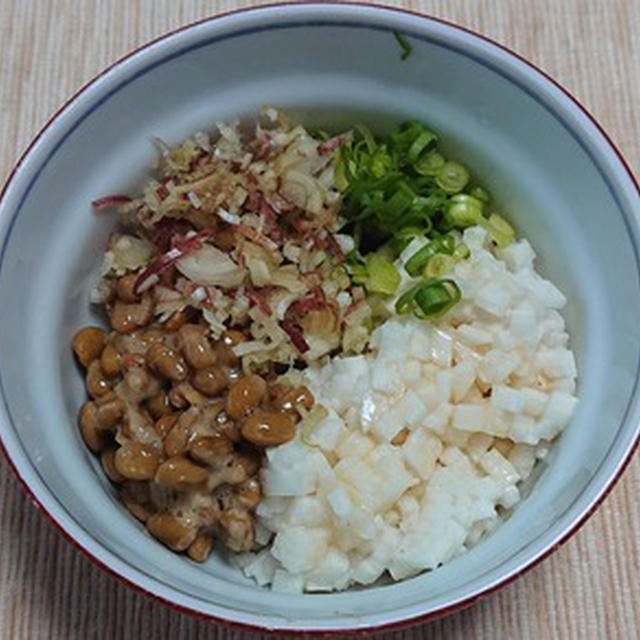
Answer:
(461, 252)
(435, 297)
(404, 45)
(382, 276)
(429, 299)
(403, 237)
(418, 261)
(439, 265)
(429, 163)
(405, 301)
(452, 177)
(480, 194)
(464, 210)
(499, 230)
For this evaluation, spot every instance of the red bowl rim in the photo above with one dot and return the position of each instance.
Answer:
(400, 624)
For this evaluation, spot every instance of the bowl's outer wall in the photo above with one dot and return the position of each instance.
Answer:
(548, 167)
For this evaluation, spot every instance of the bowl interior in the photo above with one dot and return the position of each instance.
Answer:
(546, 165)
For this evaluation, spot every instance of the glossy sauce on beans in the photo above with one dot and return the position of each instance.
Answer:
(177, 426)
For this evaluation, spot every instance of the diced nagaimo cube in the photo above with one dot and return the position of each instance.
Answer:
(475, 238)
(469, 417)
(556, 339)
(308, 511)
(504, 340)
(386, 375)
(455, 437)
(546, 293)
(499, 468)
(332, 572)
(557, 414)
(535, 401)
(429, 395)
(412, 372)
(459, 494)
(524, 323)
(411, 409)
(408, 411)
(409, 509)
(361, 476)
(355, 444)
(427, 548)
(443, 385)
(494, 297)
(347, 381)
(285, 582)
(327, 431)
(496, 365)
(288, 472)
(438, 419)
(270, 506)
(497, 422)
(441, 348)
(368, 570)
(479, 529)
(507, 399)
(325, 475)
(523, 458)
(524, 429)
(474, 336)
(518, 255)
(300, 548)
(341, 504)
(454, 458)
(463, 376)
(262, 568)
(477, 444)
(420, 452)
(568, 385)
(262, 534)
(420, 345)
(393, 479)
(392, 339)
(556, 363)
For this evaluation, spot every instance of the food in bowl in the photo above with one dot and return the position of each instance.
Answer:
(326, 352)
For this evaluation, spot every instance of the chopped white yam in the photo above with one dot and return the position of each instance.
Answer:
(535, 401)
(496, 365)
(355, 444)
(481, 394)
(327, 431)
(463, 376)
(473, 335)
(441, 348)
(300, 548)
(469, 417)
(494, 298)
(438, 419)
(420, 451)
(308, 511)
(420, 345)
(523, 458)
(285, 582)
(507, 399)
(556, 363)
(453, 457)
(518, 255)
(443, 385)
(332, 572)
(262, 568)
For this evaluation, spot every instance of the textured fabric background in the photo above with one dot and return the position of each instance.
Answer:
(590, 588)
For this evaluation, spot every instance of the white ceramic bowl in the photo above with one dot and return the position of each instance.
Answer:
(550, 165)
